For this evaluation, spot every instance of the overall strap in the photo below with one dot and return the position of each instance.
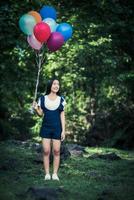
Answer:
(42, 98)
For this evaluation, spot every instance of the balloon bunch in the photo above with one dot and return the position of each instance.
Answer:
(41, 28)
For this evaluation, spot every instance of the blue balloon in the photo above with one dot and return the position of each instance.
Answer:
(66, 30)
(48, 12)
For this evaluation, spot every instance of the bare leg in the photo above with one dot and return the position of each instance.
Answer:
(56, 153)
(46, 153)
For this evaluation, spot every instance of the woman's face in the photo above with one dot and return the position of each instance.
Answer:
(55, 86)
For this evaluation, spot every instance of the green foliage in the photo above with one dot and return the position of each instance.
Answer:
(95, 69)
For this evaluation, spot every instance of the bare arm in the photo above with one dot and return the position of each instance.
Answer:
(62, 117)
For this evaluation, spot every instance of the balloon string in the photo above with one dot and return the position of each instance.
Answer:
(39, 59)
(40, 56)
(37, 81)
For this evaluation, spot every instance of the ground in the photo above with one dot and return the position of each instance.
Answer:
(81, 177)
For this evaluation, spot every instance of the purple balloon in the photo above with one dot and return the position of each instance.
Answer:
(55, 41)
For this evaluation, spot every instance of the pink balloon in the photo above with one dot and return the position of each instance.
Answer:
(55, 41)
(33, 42)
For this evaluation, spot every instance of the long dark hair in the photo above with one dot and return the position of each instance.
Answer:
(49, 85)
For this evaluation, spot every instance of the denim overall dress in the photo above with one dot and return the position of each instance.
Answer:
(51, 125)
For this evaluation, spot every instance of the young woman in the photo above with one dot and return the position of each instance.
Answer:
(51, 106)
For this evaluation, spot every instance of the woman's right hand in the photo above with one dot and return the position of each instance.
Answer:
(35, 105)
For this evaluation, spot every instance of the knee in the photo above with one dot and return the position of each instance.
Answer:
(56, 152)
(46, 152)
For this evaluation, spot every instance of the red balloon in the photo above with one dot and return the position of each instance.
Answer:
(42, 31)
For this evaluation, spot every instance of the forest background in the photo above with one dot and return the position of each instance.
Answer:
(95, 69)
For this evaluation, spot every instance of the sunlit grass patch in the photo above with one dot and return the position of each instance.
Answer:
(103, 150)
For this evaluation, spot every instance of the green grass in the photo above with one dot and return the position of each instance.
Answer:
(80, 177)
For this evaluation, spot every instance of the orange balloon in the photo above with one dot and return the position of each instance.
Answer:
(36, 15)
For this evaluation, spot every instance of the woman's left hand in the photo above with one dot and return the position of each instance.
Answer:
(62, 136)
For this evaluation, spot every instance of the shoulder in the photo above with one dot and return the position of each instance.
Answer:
(62, 97)
(63, 101)
(41, 98)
